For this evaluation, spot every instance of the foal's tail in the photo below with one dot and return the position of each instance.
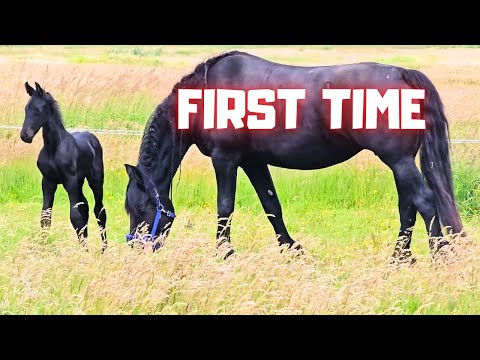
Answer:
(434, 153)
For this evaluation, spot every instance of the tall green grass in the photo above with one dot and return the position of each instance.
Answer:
(343, 204)
(336, 187)
(341, 186)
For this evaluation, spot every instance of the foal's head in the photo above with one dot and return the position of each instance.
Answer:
(37, 112)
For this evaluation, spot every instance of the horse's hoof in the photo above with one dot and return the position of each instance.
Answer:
(157, 246)
(294, 247)
(445, 254)
(297, 250)
(437, 245)
(403, 257)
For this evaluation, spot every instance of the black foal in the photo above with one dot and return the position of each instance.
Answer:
(65, 159)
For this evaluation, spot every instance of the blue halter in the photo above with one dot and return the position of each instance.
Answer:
(158, 216)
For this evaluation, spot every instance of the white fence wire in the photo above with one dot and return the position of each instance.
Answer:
(124, 132)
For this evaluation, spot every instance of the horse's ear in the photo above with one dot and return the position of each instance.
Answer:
(134, 174)
(29, 89)
(39, 89)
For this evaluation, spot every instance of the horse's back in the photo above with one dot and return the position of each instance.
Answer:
(248, 71)
(243, 69)
(313, 142)
(89, 145)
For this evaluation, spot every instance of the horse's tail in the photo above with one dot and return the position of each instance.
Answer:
(434, 152)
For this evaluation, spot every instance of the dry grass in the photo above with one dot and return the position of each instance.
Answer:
(188, 277)
(103, 96)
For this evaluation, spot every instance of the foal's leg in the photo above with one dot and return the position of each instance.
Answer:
(95, 180)
(226, 174)
(261, 180)
(413, 195)
(48, 188)
(78, 208)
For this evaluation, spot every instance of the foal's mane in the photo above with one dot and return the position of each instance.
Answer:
(163, 117)
(55, 107)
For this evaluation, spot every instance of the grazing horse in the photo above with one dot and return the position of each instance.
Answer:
(312, 145)
(67, 159)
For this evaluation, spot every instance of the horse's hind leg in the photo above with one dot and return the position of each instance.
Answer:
(49, 188)
(95, 180)
(413, 195)
(261, 180)
(407, 186)
(78, 208)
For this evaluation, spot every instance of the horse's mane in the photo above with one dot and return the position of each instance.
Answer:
(164, 113)
(199, 75)
(55, 107)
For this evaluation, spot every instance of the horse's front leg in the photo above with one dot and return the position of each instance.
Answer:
(49, 188)
(226, 166)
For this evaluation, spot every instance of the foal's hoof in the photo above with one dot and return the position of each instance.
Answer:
(224, 245)
(229, 253)
(84, 246)
(104, 248)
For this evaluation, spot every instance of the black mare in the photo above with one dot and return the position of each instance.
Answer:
(67, 159)
(313, 145)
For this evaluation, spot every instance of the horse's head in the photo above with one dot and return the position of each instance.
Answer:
(36, 112)
(145, 206)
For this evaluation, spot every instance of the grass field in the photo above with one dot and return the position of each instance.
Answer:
(345, 216)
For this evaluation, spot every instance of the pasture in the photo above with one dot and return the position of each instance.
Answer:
(345, 216)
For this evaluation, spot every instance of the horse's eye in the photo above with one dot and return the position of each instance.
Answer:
(141, 210)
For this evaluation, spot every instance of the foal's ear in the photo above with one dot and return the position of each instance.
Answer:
(134, 174)
(39, 89)
(29, 89)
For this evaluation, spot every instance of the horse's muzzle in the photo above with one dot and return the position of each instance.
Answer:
(27, 136)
